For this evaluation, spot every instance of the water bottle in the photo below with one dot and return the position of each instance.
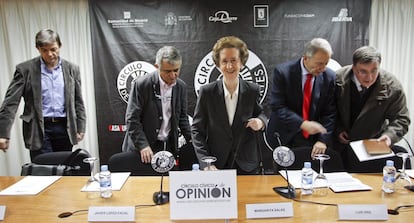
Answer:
(105, 182)
(388, 172)
(307, 179)
(196, 167)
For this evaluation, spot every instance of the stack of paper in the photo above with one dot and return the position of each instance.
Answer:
(338, 181)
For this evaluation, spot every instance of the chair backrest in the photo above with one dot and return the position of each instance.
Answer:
(73, 159)
(130, 162)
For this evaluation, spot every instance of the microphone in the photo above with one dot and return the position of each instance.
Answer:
(162, 162)
(285, 157)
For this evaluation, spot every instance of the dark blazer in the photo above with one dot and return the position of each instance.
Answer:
(212, 133)
(384, 112)
(286, 103)
(26, 83)
(143, 116)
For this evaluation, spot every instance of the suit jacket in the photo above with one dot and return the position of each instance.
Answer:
(286, 103)
(385, 111)
(26, 83)
(143, 116)
(212, 134)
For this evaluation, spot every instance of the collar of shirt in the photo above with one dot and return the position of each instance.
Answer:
(357, 83)
(164, 85)
(227, 92)
(304, 74)
(45, 70)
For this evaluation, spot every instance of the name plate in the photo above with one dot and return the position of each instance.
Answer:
(203, 194)
(2, 212)
(362, 212)
(269, 210)
(111, 214)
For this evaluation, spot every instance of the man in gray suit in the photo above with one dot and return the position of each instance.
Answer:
(228, 113)
(54, 113)
(371, 105)
(157, 107)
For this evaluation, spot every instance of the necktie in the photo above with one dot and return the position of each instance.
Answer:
(307, 92)
(363, 91)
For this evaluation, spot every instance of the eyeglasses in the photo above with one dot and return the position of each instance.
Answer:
(365, 72)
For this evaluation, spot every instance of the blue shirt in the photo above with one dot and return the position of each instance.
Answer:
(53, 91)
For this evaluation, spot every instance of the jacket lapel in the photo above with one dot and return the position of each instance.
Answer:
(36, 82)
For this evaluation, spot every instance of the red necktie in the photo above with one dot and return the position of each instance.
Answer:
(307, 92)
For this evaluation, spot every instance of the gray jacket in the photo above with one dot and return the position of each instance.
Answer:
(26, 83)
(385, 111)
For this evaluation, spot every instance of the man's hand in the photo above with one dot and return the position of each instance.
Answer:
(255, 123)
(318, 148)
(312, 127)
(4, 144)
(79, 136)
(146, 154)
(385, 138)
(343, 137)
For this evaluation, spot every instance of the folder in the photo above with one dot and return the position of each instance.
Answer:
(374, 147)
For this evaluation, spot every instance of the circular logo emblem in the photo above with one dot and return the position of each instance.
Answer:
(283, 156)
(129, 74)
(162, 161)
(254, 71)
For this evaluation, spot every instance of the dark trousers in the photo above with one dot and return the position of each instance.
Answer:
(55, 139)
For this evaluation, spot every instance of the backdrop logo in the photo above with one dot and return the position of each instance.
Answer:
(129, 74)
(170, 19)
(254, 71)
(222, 16)
(342, 16)
(127, 21)
(261, 15)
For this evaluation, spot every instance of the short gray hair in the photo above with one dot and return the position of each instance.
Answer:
(366, 54)
(46, 37)
(168, 53)
(317, 44)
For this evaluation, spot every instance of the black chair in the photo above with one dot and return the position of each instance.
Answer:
(353, 165)
(130, 161)
(303, 154)
(62, 157)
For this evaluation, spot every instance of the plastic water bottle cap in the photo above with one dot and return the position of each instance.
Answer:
(390, 163)
(104, 168)
(307, 164)
(196, 166)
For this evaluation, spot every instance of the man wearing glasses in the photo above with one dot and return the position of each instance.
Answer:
(371, 105)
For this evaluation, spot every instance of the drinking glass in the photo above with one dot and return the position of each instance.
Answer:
(209, 160)
(320, 184)
(402, 178)
(91, 161)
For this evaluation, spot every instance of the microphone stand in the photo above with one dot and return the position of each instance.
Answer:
(259, 149)
(287, 192)
(161, 197)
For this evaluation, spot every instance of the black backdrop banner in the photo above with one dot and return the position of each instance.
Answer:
(126, 35)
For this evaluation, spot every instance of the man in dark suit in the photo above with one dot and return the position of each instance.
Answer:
(157, 107)
(371, 105)
(228, 113)
(54, 114)
(296, 127)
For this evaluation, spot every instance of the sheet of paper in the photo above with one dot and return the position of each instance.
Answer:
(410, 173)
(30, 185)
(362, 154)
(117, 180)
(338, 181)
